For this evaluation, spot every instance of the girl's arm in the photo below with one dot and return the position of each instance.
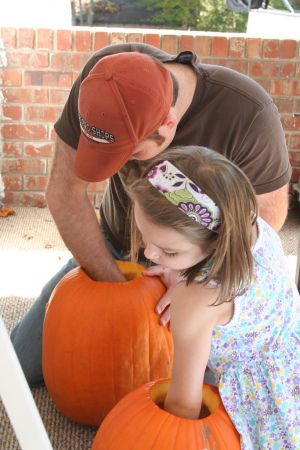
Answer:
(192, 322)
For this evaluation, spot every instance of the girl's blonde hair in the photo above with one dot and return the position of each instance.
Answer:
(229, 251)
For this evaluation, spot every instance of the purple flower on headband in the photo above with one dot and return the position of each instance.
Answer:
(178, 184)
(161, 188)
(181, 183)
(195, 188)
(152, 173)
(197, 212)
(163, 168)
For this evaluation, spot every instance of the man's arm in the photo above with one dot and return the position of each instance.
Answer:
(75, 218)
(273, 207)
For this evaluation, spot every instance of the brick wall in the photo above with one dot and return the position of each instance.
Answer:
(38, 67)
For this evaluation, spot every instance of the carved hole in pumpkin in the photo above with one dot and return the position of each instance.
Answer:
(130, 276)
(130, 271)
(210, 401)
(205, 412)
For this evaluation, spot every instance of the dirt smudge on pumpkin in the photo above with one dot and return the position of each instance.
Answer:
(206, 434)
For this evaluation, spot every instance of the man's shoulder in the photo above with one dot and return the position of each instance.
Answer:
(126, 47)
(132, 47)
(234, 81)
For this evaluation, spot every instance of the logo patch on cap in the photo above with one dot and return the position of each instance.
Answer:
(97, 135)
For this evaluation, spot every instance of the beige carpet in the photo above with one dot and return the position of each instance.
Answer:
(31, 250)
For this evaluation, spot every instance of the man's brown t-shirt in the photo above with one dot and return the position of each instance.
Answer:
(230, 114)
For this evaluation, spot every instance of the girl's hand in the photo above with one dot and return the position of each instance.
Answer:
(169, 278)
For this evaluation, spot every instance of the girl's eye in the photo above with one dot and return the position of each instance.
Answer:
(170, 254)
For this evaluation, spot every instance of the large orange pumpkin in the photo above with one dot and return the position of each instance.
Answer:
(137, 423)
(102, 340)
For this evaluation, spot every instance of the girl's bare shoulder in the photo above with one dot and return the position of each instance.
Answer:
(195, 303)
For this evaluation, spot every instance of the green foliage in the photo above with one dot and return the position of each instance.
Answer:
(173, 13)
(206, 15)
(88, 8)
(295, 4)
(216, 16)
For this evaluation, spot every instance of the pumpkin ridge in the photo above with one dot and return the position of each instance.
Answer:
(125, 302)
(208, 423)
(113, 340)
(70, 288)
(130, 345)
(82, 308)
(154, 363)
(138, 299)
(132, 321)
(150, 415)
(74, 289)
(197, 437)
(177, 423)
(148, 327)
(168, 345)
(223, 420)
(169, 421)
(206, 437)
(165, 345)
(162, 423)
(183, 430)
(220, 416)
(123, 406)
(93, 386)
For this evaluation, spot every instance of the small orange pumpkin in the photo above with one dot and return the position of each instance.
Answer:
(102, 340)
(137, 423)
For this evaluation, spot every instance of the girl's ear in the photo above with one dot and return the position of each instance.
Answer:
(214, 245)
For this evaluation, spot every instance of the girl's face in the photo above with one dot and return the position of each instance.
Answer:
(166, 246)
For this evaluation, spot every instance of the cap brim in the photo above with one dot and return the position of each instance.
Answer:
(94, 165)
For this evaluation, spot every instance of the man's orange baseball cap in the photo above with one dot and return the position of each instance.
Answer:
(124, 99)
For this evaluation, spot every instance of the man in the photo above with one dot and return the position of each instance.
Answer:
(123, 109)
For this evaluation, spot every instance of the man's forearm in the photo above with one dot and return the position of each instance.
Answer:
(75, 217)
(82, 235)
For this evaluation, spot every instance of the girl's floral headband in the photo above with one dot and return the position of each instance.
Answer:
(185, 195)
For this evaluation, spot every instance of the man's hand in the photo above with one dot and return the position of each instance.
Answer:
(169, 278)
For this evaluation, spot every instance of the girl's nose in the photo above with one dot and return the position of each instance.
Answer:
(151, 253)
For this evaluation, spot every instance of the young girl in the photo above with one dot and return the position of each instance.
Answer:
(235, 307)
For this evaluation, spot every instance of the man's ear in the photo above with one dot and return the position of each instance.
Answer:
(170, 121)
